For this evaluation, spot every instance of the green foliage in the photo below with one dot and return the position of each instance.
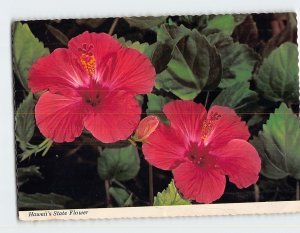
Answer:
(25, 123)
(224, 23)
(145, 22)
(278, 145)
(239, 97)
(141, 47)
(238, 62)
(193, 63)
(26, 173)
(26, 50)
(155, 106)
(121, 196)
(170, 196)
(119, 163)
(40, 201)
(277, 78)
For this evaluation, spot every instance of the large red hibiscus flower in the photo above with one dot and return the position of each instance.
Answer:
(201, 148)
(92, 85)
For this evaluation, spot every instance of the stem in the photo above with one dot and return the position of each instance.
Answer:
(256, 193)
(151, 198)
(113, 26)
(131, 141)
(297, 190)
(206, 99)
(108, 200)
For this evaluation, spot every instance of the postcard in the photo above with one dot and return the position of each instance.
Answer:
(185, 115)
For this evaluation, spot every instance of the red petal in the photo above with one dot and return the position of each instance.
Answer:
(165, 148)
(103, 44)
(58, 72)
(187, 117)
(116, 117)
(240, 161)
(130, 71)
(58, 117)
(229, 126)
(195, 183)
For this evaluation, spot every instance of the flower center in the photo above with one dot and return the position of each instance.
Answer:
(208, 125)
(87, 59)
(92, 98)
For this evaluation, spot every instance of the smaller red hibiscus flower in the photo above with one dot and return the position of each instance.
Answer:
(145, 128)
(201, 148)
(91, 85)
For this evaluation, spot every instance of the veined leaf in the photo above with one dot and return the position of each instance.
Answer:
(277, 78)
(26, 50)
(170, 196)
(119, 163)
(278, 145)
(25, 123)
(121, 196)
(155, 106)
(238, 97)
(194, 65)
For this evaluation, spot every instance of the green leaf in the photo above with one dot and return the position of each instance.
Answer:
(26, 50)
(194, 65)
(238, 62)
(141, 47)
(171, 34)
(25, 173)
(40, 201)
(160, 54)
(155, 106)
(121, 196)
(278, 144)
(145, 22)
(239, 97)
(25, 123)
(224, 23)
(277, 78)
(170, 196)
(119, 163)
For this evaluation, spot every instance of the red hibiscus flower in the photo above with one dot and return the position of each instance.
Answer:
(201, 148)
(92, 85)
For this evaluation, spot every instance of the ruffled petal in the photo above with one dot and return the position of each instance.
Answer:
(103, 45)
(58, 117)
(227, 126)
(187, 117)
(129, 71)
(201, 185)
(116, 117)
(165, 148)
(57, 72)
(240, 161)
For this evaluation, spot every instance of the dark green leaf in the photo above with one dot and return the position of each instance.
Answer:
(171, 33)
(278, 145)
(26, 50)
(119, 163)
(40, 201)
(238, 62)
(155, 106)
(239, 97)
(25, 173)
(170, 196)
(194, 65)
(224, 23)
(277, 79)
(145, 22)
(25, 123)
(159, 54)
(121, 196)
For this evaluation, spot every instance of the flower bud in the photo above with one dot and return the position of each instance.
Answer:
(146, 127)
